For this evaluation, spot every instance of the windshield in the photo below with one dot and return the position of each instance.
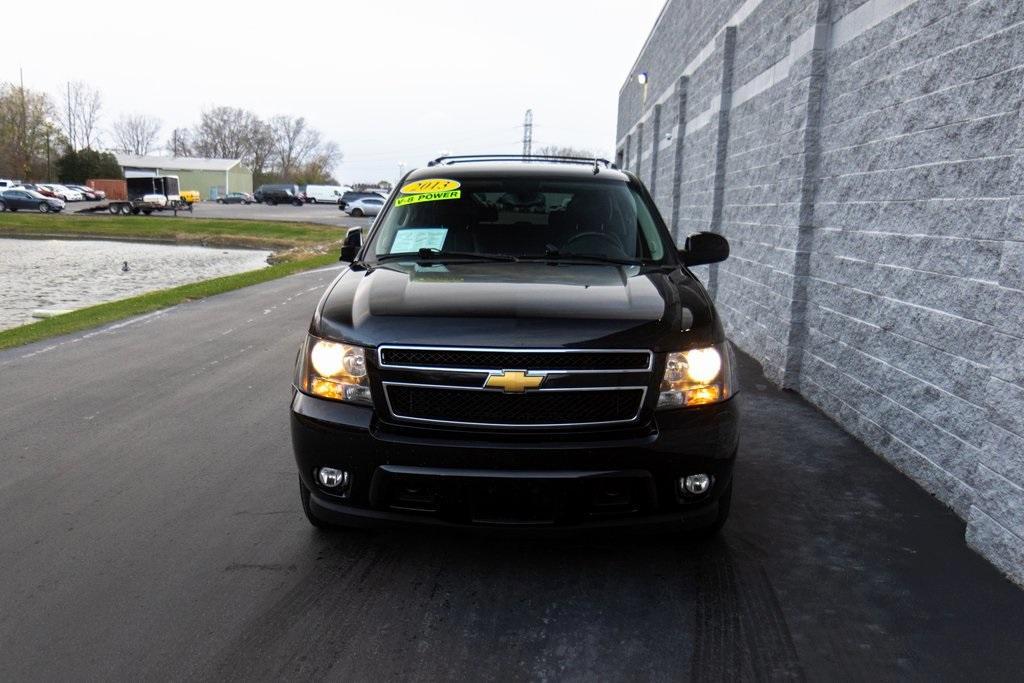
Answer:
(523, 218)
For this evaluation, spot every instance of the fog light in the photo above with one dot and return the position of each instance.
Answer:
(696, 483)
(332, 478)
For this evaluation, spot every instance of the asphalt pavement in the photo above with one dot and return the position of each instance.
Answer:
(151, 529)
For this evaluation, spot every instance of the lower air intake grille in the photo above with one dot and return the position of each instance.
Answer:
(540, 408)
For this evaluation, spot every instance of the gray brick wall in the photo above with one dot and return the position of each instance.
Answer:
(866, 165)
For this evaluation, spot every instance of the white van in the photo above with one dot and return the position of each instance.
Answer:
(329, 194)
(8, 184)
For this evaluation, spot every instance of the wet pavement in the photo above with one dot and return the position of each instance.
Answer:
(152, 529)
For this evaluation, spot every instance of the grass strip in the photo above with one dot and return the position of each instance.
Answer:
(101, 314)
(273, 235)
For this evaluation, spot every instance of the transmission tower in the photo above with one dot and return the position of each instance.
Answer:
(528, 133)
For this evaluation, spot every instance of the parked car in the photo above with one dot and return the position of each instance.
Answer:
(29, 200)
(366, 206)
(486, 367)
(65, 193)
(353, 195)
(236, 198)
(190, 196)
(331, 194)
(41, 189)
(89, 193)
(6, 184)
(279, 194)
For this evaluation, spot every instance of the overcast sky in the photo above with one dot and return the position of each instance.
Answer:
(391, 81)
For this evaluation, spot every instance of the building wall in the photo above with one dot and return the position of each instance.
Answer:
(865, 159)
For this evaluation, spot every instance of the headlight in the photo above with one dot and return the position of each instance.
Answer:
(333, 370)
(697, 377)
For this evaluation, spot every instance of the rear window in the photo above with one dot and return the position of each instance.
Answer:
(522, 218)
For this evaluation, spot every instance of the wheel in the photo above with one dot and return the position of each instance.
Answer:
(43, 207)
(126, 210)
(3, 207)
(114, 209)
(304, 497)
(271, 202)
(220, 201)
(147, 211)
(297, 202)
(356, 213)
(312, 200)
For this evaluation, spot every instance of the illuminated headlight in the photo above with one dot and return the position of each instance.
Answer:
(697, 377)
(333, 370)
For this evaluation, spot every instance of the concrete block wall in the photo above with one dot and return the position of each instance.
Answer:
(865, 158)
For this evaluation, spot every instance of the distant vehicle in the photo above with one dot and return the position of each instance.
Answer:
(190, 196)
(90, 194)
(30, 200)
(65, 193)
(330, 194)
(279, 194)
(6, 184)
(236, 198)
(353, 195)
(41, 189)
(366, 206)
(149, 194)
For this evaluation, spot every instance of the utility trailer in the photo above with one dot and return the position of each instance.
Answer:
(149, 194)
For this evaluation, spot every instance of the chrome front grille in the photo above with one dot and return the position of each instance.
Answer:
(449, 386)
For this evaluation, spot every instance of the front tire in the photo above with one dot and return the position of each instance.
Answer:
(356, 213)
(312, 200)
(43, 207)
(3, 207)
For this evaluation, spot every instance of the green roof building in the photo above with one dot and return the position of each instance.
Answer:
(212, 178)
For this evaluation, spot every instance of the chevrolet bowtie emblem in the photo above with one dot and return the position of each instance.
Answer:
(514, 381)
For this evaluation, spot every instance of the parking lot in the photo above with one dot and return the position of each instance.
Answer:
(327, 214)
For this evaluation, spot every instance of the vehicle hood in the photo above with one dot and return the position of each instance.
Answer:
(528, 305)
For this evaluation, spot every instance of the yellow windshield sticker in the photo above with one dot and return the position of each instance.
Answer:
(430, 185)
(428, 197)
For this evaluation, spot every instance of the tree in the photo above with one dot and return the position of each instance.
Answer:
(136, 133)
(27, 134)
(79, 114)
(77, 167)
(300, 151)
(225, 133)
(180, 143)
(565, 151)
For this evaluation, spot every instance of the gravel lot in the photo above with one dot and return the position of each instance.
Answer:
(310, 213)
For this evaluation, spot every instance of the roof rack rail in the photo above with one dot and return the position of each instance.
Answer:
(552, 158)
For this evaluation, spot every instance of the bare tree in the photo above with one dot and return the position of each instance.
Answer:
(79, 114)
(301, 150)
(225, 132)
(180, 143)
(136, 133)
(565, 151)
(27, 138)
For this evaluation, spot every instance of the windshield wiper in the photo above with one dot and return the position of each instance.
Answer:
(553, 255)
(438, 255)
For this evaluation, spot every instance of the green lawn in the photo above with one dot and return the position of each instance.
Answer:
(102, 314)
(212, 231)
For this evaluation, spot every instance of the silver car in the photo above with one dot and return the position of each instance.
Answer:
(366, 206)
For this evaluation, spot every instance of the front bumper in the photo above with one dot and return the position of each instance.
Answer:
(555, 480)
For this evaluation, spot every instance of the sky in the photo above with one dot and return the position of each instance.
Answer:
(392, 82)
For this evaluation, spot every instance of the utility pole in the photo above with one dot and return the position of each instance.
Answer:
(528, 133)
(71, 121)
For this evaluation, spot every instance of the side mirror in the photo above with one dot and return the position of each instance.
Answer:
(704, 247)
(352, 244)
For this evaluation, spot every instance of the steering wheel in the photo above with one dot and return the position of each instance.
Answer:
(610, 240)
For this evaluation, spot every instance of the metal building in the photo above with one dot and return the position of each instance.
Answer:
(212, 178)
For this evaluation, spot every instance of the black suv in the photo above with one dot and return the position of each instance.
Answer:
(279, 194)
(517, 344)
